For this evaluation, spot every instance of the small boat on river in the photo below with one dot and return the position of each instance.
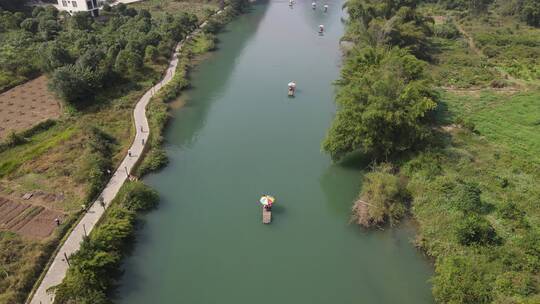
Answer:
(267, 201)
(291, 88)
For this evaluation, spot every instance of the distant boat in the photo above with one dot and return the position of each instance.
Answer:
(292, 88)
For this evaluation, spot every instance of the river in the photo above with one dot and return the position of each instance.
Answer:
(240, 136)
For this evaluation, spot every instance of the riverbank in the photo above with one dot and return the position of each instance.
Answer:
(470, 185)
(117, 226)
(60, 166)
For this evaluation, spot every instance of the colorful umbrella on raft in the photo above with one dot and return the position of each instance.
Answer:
(267, 200)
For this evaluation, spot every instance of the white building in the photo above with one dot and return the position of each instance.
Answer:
(73, 6)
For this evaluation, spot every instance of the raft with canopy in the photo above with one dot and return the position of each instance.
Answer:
(292, 88)
(267, 201)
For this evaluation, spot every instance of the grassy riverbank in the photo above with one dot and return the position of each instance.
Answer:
(470, 184)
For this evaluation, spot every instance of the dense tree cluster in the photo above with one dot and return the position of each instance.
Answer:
(390, 23)
(84, 54)
(384, 97)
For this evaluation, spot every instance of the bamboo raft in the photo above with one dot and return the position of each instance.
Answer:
(266, 216)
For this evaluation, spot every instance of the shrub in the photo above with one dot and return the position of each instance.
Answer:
(15, 139)
(475, 230)
(447, 30)
(466, 124)
(463, 280)
(96, 161)
(139, 197)
(95, 268)
(382, 198)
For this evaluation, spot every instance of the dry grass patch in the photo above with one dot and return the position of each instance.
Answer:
(26, 105)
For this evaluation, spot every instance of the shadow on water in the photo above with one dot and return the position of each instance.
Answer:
(194, 113)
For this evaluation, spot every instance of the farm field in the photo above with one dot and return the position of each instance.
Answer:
(26, 105)
(28, 220)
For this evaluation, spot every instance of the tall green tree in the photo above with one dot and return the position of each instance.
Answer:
(384, 104)
(74, 83)
(531, 12)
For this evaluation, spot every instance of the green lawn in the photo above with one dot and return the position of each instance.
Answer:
(512, 121)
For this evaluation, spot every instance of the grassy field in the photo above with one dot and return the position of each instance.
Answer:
(475, 193)
(509, 120)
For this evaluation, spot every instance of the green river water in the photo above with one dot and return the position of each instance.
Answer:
(239, 136)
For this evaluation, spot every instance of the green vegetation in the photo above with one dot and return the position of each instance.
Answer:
(94, 167)
(379, 88)
(508, 45)
(385, 193)
(82, 54)
(22, 261)
(472, 185)
(200, 8)
(384, 97)
(71, 156)
(95, 267)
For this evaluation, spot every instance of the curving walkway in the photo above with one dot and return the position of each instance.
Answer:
(57, 270)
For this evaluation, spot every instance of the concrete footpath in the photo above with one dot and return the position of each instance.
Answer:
(57, 270)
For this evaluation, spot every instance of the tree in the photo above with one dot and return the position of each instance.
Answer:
(139, 197)
(30, 25)
(128, 63)
(53, 56)
(8, 21)
(531, 12)
(74, 83)
(151, 53)
(384, 104)
(81, 21)
(410, 29)
(48, 29)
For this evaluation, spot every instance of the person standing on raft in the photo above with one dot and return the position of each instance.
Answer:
(292, 88)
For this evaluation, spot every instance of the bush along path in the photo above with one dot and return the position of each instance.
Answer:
(59, 266)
